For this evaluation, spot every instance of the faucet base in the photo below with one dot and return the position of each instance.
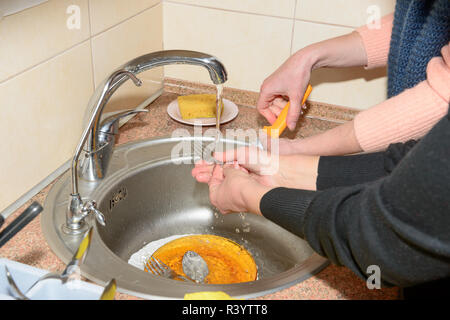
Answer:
(81, 229)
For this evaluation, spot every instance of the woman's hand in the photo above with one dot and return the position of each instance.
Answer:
(250, 173)
(262, 166)
(234, 190)
(290, 80)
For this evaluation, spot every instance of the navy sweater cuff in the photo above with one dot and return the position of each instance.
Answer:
(287, 207)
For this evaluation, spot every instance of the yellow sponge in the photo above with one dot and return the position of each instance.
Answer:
(198, 106)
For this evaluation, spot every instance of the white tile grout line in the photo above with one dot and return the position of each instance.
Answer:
(58, 54)
(258, 14)
(34, 66)
(226, 10)
(293, 27)
(92, 49)
(328, 24)
(127, 19)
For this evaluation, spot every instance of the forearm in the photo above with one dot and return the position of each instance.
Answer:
(410, 114)
(340, 140)
(339, 171)
(252, 193)
(298, 171)
(343, 51)
(319, 173)
(402, 230)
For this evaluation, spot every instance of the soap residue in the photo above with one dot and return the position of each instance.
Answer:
(138, 258)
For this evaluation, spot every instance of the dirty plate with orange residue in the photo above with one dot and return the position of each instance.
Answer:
(228, 262)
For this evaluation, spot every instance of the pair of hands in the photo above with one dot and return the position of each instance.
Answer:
(248, 173)
(239, 187)
(238, 184)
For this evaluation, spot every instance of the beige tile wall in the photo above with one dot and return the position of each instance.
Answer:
(238, 39)
(253, 37)
(48, 72)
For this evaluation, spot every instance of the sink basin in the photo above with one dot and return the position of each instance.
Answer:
(147, 195)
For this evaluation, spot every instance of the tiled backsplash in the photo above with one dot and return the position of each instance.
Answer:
(51, 57)
(254, 37)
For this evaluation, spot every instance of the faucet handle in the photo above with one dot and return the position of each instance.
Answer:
(111, 123)
(91, 207)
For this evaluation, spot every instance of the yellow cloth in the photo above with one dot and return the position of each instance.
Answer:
(208, 295)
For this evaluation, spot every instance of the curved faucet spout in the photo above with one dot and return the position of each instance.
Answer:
(98, 150)
(216, 69)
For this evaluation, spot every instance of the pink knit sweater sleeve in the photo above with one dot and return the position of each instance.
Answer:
(409, 115)
(376, 39)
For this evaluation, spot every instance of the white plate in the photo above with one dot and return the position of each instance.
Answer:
(230, 112)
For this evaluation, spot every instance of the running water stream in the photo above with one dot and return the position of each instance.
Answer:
(219, 105)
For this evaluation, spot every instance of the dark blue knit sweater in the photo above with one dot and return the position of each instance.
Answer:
(421, 28)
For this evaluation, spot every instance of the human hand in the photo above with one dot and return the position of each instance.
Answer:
(234, 190)
(291, 79)
(288, 82)
(260, 165)
(271, 170)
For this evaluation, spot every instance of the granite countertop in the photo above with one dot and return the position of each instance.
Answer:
(29, 246)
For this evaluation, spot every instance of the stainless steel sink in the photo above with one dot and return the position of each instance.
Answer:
(146, 196)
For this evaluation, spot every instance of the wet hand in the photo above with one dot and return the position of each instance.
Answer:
(234, 190)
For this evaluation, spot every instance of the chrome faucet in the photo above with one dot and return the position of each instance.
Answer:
(98, 137)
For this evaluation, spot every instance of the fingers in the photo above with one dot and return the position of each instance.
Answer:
(202, 171)
(263, 104)
(279, 103)
(214, 184)
(293, 112)
(202, 168)
(217, 177)
(268, 114)
(203, 177)
(244, 156)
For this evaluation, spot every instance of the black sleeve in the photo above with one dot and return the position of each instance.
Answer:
(339, 171)
(400, 222)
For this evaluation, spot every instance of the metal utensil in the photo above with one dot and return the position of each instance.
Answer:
(194, 266)
(109, 291)
(73, 265)
(17, 292)
(156, 266)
